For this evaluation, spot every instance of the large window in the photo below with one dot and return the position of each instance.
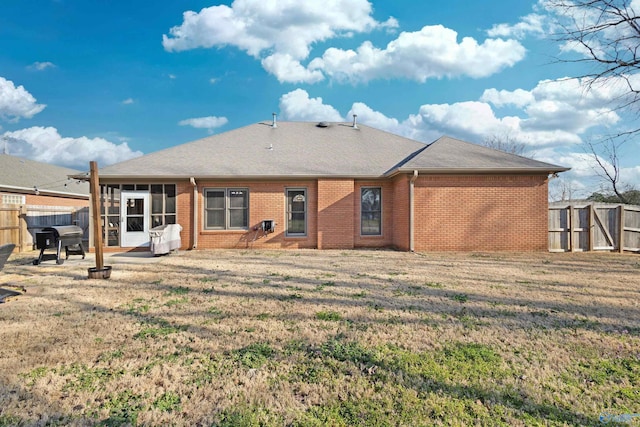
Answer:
(226, 208)
(163, 207)
(371, 211)
(296, 212)
(163, 204)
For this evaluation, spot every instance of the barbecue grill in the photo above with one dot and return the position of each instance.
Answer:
(57, 237)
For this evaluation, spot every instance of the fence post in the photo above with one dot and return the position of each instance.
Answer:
(591, 227)
(621, 229)
(22, 227)
(571, 232)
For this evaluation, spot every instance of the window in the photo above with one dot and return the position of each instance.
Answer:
(226, 208)
(370, 211)
(13, 199)
(163, 204)
(296, 212)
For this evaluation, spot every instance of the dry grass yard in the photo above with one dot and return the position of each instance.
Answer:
(323, 338)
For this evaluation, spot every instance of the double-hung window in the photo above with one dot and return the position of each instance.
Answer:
(371, 211)
(296, 212)
(226, 208)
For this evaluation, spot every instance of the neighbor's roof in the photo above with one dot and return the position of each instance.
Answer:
(304, 149)
(24, 175)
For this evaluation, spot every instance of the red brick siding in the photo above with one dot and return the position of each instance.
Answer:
(184, 213)
(481, 212)
(386, 239)
(336, 205)
(401, 212)
(267, 200)
(40, 200)
(452, 212)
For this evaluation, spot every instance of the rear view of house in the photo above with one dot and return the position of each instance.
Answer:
(328, 186)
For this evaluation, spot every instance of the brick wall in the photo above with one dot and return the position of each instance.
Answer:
(40, 200)
(184, 212)
(336, 206)
(267, 200)
(401, 212)
(452, 212)
(386, 239)
(481, 212)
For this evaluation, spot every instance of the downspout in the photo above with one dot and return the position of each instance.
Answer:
(411, 211)
(195, 212)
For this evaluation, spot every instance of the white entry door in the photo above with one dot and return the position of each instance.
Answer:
(134, 218)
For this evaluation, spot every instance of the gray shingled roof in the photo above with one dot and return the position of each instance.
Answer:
(303, 149)
(452, 155)
(21, 174)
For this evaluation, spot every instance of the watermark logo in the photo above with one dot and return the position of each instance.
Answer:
(606, 418)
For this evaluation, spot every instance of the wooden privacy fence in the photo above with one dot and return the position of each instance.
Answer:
(19, 224)
(11, 227)
(593, 227)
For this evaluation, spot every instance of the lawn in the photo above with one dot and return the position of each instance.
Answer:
(323, 338)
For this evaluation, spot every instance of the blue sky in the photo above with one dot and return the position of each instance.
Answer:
(108, 81)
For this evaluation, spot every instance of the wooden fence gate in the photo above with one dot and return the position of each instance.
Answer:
(593, 227)
(11, 227)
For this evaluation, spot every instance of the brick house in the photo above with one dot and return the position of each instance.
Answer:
(328, 186)
(27, 182)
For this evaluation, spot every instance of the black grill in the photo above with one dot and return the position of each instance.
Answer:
(57, 237)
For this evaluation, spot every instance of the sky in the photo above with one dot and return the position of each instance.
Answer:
(112, 80)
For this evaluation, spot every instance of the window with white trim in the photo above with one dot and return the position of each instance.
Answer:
(226, 208)
(371, 211)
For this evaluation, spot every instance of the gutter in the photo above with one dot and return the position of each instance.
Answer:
(44, 192)
(195, 212)
(411, 211)
(478, 171)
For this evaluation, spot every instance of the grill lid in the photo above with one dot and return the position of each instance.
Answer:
(64, 230)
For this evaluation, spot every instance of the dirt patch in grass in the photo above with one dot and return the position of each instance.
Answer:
(323, 338)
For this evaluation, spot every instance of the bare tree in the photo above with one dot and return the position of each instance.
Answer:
(606, 33)
(504, 143)
(561, 189)
(608, 168)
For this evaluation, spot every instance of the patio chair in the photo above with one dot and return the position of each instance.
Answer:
(5, 252)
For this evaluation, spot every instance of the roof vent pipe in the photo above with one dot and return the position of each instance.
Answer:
(355, 123)
(274, 124)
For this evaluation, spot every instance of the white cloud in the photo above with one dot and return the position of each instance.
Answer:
(518, 98)
(284, 29)
(285, 26)
(433, 52)
(375, 118)
(128, 101)
(40, 66)
(534, 23)
(214, 80)
(289, 70)
(45, 144)
(555, 113)
(297, 106)
(210, 123)
(282, 33)
(16, 102)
